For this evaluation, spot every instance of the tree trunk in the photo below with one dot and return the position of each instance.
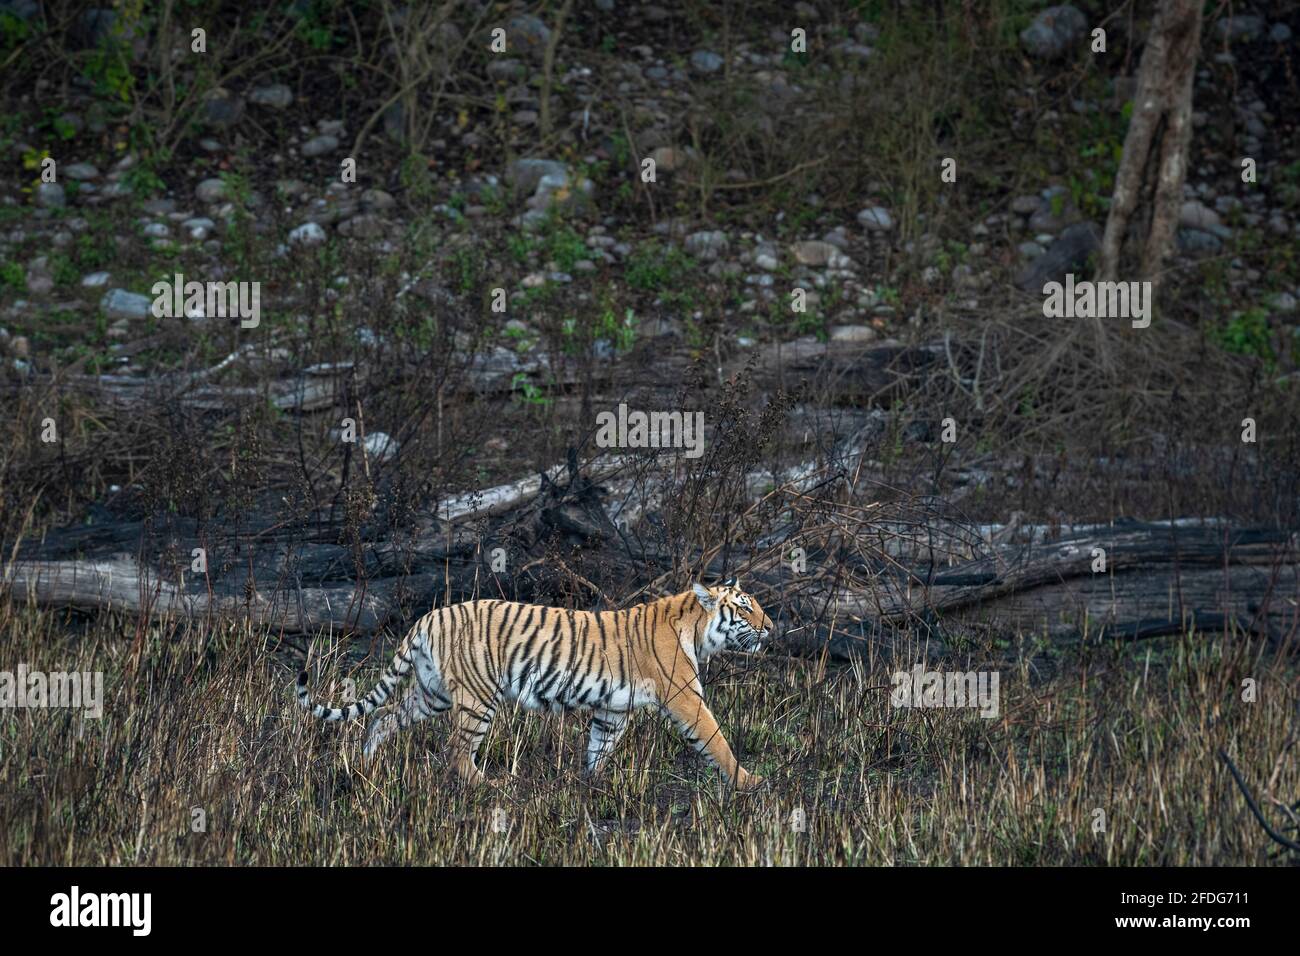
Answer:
(1155, 149)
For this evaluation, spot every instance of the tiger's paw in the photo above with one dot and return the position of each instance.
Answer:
(748, 781)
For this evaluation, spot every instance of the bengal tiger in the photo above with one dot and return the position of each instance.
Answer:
(469, 657)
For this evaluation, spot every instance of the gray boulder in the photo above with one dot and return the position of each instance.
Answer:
(523, 175)
(1069, 252)
(120, 304)
(1197, 243)
(21, 9)
(320, 145)
(222, 109)
(50, 196)
(277, 96)
(1053, 32)
(1240, 29)
(528, 35)
(876, 219)
(706, 61)
(707, 245)
(211, 190)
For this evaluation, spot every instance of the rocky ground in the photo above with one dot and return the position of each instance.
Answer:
(619, 183)
(262, 169)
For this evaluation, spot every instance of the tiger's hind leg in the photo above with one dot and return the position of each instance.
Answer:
(606, 730)
(470, 718)
(392, 718)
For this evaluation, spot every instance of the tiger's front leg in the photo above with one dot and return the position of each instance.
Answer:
(685, 704)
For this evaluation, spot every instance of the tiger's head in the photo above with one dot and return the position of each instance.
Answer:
(736, 621)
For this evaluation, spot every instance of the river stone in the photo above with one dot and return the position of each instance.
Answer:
(276, 96)
(1069, 252)
(120, 304)
(320, 145)
(1054, 32)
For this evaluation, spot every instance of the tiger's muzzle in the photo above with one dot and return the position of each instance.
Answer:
(750, 640)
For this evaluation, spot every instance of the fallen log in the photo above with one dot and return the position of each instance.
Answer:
(1159, 579)
(502, 498)
(932, 572)
(856, 374)
(315, 389)
(122, 584)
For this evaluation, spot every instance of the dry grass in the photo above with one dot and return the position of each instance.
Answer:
(204, 720)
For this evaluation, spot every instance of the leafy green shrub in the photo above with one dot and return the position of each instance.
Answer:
(12, 276)
(653, 267)
(1247, 333)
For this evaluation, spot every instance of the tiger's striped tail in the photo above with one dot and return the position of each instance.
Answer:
(388, 681)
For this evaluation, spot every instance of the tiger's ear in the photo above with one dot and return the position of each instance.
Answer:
(731, 583)
(707, 600)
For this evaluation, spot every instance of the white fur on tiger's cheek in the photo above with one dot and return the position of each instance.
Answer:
(713, 640)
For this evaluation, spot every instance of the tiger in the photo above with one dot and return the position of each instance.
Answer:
(467, 658)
